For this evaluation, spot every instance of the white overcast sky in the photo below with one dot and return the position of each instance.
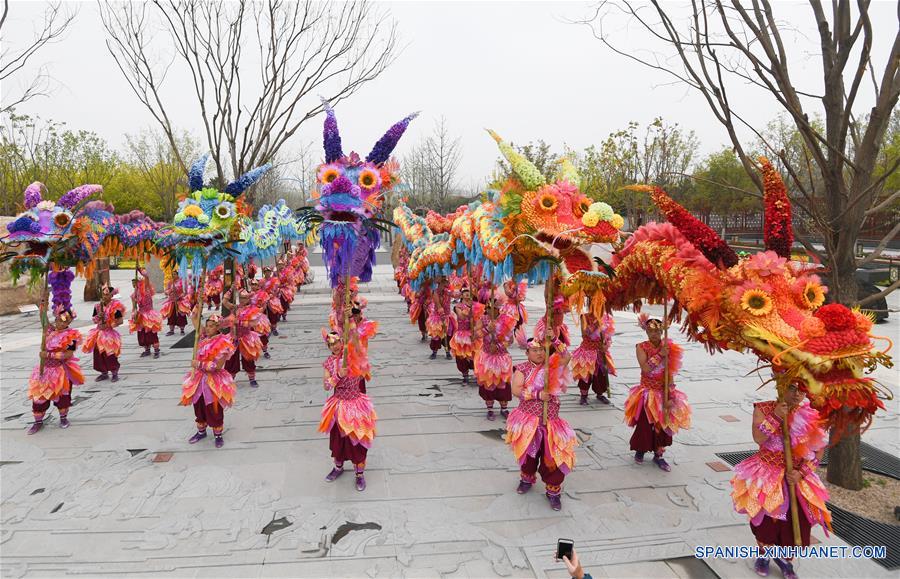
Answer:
(520, 68)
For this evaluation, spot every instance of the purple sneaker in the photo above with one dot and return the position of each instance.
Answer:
(360, 482)
(490, 415)
(145, 353)
(583, 401)
(115, 377)
(555, 502)
(524, 487)
(639, 457)
(602, 399)
(254, 383)
(504, 413)
(267, 355)
(761, 566)
(465, 378)
(449, 356)
(661, 463)
(787, 569)
(64, 422)
(156, 354)
(182, 331)
(198, 436)
(102, 377)
(433, 356)
(334, 474)
(220, 442)
(171, 332)
(274, 332)
(36, 427)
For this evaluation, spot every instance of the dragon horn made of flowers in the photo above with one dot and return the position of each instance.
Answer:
(524, 169)
(383, 148)
(237, 187)
(701, 235)
(778, 231)
(78, 194)
(567, 172)
(195, 175)
(33, 195)
(331, 136)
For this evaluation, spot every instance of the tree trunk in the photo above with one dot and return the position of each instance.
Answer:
(844, 465)
(101, 276)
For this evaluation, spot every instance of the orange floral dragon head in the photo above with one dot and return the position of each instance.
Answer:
(765, 303)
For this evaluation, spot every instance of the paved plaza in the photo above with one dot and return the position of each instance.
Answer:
(101, 499)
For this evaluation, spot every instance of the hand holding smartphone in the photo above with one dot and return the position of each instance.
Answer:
(564, 548)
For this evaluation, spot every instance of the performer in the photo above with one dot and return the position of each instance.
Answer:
(248, 322)
(273, 305)
(348, 415)
(146, 321)
(558, 321)
(462, 344)
(515, 307)
(760, 482)
(418, 313)
(215, 285)
(260, 298)
(61, 371)
(592, 363)
(104, 339)
(209, 387)
(655, 422)
(493, 364)
(286, 287)
(438, 321)
(177, 305)
(541, 447)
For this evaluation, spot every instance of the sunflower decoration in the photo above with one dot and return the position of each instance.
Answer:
(813, 295)
(369, 179)
(757, 301)
(328, 172)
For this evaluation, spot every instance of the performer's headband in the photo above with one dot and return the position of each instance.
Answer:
(214, 319)
(647, 323)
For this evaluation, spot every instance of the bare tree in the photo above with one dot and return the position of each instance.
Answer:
(443, 155)
(151, 153)
(12, 60)
(720, 48)
(299, 50)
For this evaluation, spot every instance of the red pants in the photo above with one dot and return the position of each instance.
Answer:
(436, 343)
(648, 438)
(264, 338)
(147, 339)
(502, 394)
(777, 532)
(464, 365)
(551, 478)
(273, 318)
(238, 362)
(176, 319)
(211, 414)
(63, 404)
(285, 305)
(343, 449)
(599, 382)
(104, 363)
(215, 300)
(422, 317)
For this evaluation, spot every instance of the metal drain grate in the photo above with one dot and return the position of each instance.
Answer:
(860, 531)
(852, 528)
(873, 459)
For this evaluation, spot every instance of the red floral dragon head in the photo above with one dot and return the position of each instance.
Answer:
(765, 303)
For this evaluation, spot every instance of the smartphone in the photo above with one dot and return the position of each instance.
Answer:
(564, 548)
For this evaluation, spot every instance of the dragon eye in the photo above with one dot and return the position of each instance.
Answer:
(582, 207)
(62, 219)
(757, 302)
(368, 179)
(224, 210)
(812, 296)
(547, 202)
(330, 175)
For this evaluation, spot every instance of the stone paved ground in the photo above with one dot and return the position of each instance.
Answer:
(441, 499)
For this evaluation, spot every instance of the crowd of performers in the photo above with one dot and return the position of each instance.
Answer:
(225, 345)
(480, 323)
(473, 322)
